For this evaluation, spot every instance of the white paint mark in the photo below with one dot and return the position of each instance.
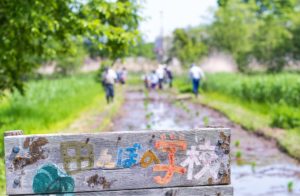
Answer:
(207, 159)
(190, 161)
(204, 157)
(105, 160)
(207, 146)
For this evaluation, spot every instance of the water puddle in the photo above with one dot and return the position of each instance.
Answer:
(258, 167)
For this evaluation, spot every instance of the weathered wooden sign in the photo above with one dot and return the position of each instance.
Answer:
(128, 163)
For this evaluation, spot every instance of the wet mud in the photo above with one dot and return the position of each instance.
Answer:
(258, 167)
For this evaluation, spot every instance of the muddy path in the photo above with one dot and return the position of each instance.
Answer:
(258, 167)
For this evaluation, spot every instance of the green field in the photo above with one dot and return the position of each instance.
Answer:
(49, 106)
(262, 103)
(277, 95)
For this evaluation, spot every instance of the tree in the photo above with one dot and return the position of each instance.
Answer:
(233, 30)
(143, 49)
(29, 26)
(273, 42)
(113, 26)
(187, 45)
(255, 29)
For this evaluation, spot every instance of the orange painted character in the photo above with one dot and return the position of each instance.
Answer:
(169, 146)
(148, 158)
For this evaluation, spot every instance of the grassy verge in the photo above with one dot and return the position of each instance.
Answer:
(249, 115)
(99, 117)
(50, 106)
(252, 118)
(281, 91)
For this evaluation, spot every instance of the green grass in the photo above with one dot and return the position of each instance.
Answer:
(135, 79)
(280, 92)
(281, 88)
(253, 117)
(49, 106)
(278, 96)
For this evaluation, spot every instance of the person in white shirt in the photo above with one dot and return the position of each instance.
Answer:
(161, 74)
(154, 79)
(109, 78)
(196, 74)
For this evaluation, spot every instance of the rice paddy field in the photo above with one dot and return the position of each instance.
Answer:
(262, 103)
(278, 95)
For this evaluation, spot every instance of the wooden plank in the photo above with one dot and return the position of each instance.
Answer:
(13, 133)
(117, 160)
(224, 190)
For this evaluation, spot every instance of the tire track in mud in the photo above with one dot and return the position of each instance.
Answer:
(258, 166)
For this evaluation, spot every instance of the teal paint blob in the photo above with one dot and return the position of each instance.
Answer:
(50, 179)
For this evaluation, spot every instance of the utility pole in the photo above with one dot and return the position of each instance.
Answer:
(159, 43)
(162, 35)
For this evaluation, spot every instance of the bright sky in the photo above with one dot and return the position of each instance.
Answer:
(176, 13)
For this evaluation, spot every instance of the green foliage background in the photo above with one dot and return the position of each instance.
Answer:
(261, 30)
(35, 31)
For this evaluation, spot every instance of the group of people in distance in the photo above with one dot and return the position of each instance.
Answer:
(163, 74)
(158, 77)
(109, 77)
(154, 80)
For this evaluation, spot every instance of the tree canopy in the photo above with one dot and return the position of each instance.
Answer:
(187, 45)
(263, 30)
(34, 30)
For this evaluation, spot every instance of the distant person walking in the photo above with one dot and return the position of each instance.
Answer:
(161, 75)
(169, 76)
(146, 78)
(196, 74)
(154, 79)
(109, 77)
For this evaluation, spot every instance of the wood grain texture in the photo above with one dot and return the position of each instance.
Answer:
(111, 161)
(13, 133)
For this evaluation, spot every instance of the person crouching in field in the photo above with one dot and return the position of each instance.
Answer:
(196, 74)
(109, 77)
